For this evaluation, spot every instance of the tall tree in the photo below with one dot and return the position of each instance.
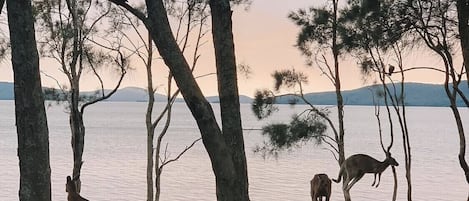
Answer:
(225, 146)
(462, 7)
(374, 32)
(435, 24)
(319, 42)
(70, 36)
(31, 121)
(328, 42)
(192, 18)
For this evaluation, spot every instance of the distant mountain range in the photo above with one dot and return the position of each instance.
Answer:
(416, 94)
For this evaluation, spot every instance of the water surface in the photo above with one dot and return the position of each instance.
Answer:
(115, 156)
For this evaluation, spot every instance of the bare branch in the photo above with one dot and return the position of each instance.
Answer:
(132, 10)
(180, 154)
(104, 97)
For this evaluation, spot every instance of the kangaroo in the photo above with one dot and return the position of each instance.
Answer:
(357, 165)
(320, 186)
(72, 191)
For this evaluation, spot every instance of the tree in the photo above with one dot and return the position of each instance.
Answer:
(318, 40)
(194, 16)
(225, 146)
(328, 43)
(31, 121)
(436, 25)
(374, 33)
(70, 37)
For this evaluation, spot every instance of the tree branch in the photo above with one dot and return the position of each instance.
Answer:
(122, 3)
(123, 72)
(180, 154)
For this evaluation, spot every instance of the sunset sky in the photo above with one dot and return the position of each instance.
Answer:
(264, 40)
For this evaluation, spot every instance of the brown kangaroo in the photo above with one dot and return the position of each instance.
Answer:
(71, 189)
(320, 186)
(357, 165)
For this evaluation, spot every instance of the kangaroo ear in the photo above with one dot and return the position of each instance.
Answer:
(69, 179)
(388, 154)
(76, 178)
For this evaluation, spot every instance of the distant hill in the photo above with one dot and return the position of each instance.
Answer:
(127, 94)
(417, 94)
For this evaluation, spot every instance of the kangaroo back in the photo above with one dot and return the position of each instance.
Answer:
(341, 172)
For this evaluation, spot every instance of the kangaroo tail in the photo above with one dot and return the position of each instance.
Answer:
(339, 178)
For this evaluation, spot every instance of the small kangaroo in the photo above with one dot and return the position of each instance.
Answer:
(71, 189)
(320, 187)
(357, 165)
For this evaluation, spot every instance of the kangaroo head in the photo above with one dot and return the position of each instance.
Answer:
(70, 186)
(391, 160)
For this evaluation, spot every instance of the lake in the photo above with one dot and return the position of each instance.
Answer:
(115, 156)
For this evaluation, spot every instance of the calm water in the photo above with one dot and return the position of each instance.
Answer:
(115, 157)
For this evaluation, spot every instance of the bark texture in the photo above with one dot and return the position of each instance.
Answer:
(228, 92)
(226, 150)
(463, 26)
(31, 121)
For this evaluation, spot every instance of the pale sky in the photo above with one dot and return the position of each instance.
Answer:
(264, 40)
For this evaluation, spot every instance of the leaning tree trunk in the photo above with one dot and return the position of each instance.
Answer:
(460, 126)
(231, 183)
(31, 121)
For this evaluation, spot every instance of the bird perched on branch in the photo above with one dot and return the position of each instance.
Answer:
(391, 69)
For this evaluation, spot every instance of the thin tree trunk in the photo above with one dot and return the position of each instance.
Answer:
(338, 92)
(460, 127)
(149, 122)
(31, 121)
(78, 135)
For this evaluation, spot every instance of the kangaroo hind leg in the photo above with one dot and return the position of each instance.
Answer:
(355, 180)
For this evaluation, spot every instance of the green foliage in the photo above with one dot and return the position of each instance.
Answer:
(366, 66)
(316, 28)
(365, 24)
(301, 129)
(263, 104)
(60, 96)
(288, 79)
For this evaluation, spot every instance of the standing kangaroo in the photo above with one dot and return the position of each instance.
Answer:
(320, 187)
(357, 165)
(71, 189)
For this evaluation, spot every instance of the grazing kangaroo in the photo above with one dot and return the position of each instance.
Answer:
(357, 165)
(72, 191)
(320, 186)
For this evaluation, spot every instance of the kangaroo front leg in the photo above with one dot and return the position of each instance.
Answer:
(379, 179)
(374, 181)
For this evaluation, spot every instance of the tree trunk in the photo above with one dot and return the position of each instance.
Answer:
(230, 182)
(460, 126)
(338, 92)
(31, 121)
(463, 26)
(78, 134)
(228, 92)
(149, 123)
